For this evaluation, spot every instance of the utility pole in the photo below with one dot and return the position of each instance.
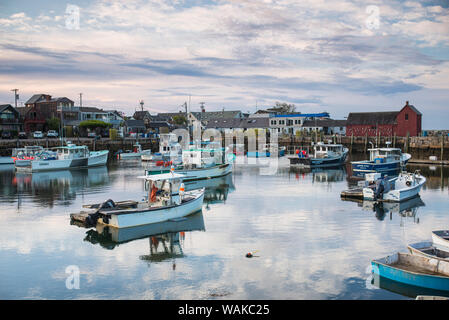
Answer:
(16, 96)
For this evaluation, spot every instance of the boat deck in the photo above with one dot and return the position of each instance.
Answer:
(416, 269)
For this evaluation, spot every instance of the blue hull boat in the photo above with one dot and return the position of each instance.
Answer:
(386, 161)
(414, 270)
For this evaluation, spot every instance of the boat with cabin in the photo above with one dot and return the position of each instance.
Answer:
(324, 155)
(136, 152)
(387, 161)
(64, 157)
(418, 271)
(166, 199)
(267, 150)
(197, 163)
(169, 150)
(375, 187)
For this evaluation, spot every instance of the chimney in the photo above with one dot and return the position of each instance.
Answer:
(406, 103)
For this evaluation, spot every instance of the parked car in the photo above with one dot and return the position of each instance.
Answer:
(6, 135)
(38, 135)
(52, 134)
(23, 135)
(91, 135)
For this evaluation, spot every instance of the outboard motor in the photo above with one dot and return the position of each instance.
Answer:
(379, 189)
(92, 218)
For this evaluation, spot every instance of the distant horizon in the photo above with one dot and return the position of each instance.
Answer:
(334, 56)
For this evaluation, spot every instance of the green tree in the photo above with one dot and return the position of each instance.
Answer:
(53, 124)
(93, 124)
(180, 120)
(285, 107)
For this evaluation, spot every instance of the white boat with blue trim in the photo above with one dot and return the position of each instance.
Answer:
(386, 161)
(136, 152)
(64, 157)
(324, 155)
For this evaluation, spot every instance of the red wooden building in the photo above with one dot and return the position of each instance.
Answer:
(407, 120)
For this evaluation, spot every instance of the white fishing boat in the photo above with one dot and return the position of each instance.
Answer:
(405, 186)
(166, 200)
(324, 155)
(65, 157)
(169, 150)
(137, 152)
(440, 239)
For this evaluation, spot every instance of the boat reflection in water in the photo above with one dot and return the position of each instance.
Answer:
(165, 238)
(322, 175)
(406, 209)
(48, 186)
(405, 289)
(216, 189)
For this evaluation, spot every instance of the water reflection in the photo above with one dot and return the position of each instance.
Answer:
(165, 238)
(406, 209)
(63, 185)
(321, 175)
(404, 289)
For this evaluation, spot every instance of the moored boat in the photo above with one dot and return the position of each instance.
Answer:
(405, 186)
(440, 239)
(137, 152)
(267, 150)
(166, 200)
(427, 249)
(386, 161)
(65, 157)
(414, 270)
(169, 150)
(324, 155)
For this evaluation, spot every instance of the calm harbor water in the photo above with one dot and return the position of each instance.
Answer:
(311, 244)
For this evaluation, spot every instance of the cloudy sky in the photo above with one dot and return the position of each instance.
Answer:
(335, 56)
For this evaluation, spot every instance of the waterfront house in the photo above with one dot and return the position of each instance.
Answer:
(41, 107)
(405, 121)
(9, 119)
(229, 125)
(290, 123)
(327, 126)
(134, 126)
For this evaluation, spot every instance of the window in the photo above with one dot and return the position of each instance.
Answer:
(406, 116)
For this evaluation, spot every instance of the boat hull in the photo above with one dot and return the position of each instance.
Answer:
(6, 160)
(96, 158)
(134, 155)
(428, 250)
(143, 217)
(197, 174)
(440, 239)
(263, 154)
(383, 268)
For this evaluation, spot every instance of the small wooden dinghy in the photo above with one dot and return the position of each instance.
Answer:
(440, 239)
(414, 270)
(427, 249)
(431, 298)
